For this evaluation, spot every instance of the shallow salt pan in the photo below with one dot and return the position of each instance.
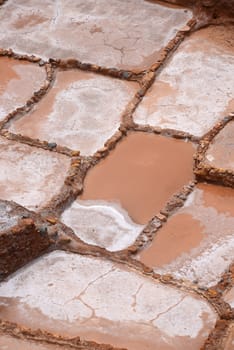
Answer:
(195, 88)
(142, 172)
(105, 302)
(110, 33)
(81, 111)
(207, 227)
(102, 223)
(40, 173)
(18, 81)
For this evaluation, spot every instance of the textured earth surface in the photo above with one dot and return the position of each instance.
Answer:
(116, 141)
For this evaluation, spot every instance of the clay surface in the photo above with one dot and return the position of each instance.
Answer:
(197, 242)
(71, 294)
(195, 89)
(77, 112)
(18, 81)
(36, 181)
(220, 153)
(113, 33)
(141, 174)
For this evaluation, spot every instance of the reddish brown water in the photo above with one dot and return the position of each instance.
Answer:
(179, 235)
(19, 75)
(219, 197)
(142, 172)
(7, 72)
(183, 232)
(184, 244)
(16, 83)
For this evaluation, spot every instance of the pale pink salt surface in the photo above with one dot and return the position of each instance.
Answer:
(110, 33)
(102, 223)
(81, 111)
(28, 175)
(18, 81)
(195, 88)
(102, 301)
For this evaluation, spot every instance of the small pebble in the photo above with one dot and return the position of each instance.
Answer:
(52, 145)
